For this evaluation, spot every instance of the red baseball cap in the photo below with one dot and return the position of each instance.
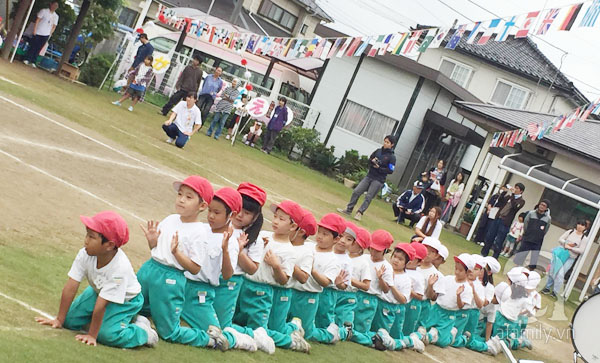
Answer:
(420, 250)
(381, 240)
(290, 208)
(199, 184)
(308, 223)
(363, 238)
(333, 222)
(253, 191)
(231, 197)
(109, 224)
(406, 247)
(351, 229)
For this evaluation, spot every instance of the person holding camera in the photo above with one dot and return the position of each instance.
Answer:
(382, 163)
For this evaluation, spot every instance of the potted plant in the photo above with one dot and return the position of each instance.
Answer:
(466, 223)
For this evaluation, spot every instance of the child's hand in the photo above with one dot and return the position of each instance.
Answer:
(432, 279)
(266, 241)
(87, 339)
(380, 271)
(50, 322)
(175, 243)
(226, 235)
(151, 232)
(341, 277)
(271, 259)
(243, 240)
(460, 290)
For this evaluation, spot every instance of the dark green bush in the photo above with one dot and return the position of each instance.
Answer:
(93, 72)
(323, 159)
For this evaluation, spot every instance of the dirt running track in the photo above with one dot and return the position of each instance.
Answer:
(53, 171)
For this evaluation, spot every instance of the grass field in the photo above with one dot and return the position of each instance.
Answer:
(65, 151)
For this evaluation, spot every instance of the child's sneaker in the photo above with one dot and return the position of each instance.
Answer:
(298, 343)
(130, 108)
(227, 137)
(453, 332)
(26, 62)
(116, 103)
(169, 140)
(298, 323)
(334, 330)
(263, 341)
(247, 142)
(434, 335)
(358, 216)
(423, 332)
(377, 341)
(242, 341)
(144, 323)
(349, 330)
(418, 345)
(493, 347)
(525, 343)
(387, 339)
(216, 334)
(252, 145)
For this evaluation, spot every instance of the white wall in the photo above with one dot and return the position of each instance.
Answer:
(579, 170)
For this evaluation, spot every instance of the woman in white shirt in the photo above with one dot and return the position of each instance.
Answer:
(429, 226)
(453, 194)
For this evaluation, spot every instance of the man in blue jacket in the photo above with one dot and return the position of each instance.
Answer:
(536, 225)
(382, 163)
(410, 204)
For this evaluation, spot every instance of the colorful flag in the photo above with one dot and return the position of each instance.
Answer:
(532, 130)
(375, 47)
(439, 37)
(506, 138)
(588, 110)
(320, 47)
(288, 46)
(343, 48)
(596, 110)
(489, 31)
(495, 139)
(302, 48)
(559, 121)
(334, 47)
(591, 15)
(400, 43)
(427, 40)
(547, 21)
(503, 34)
(386, 43)
(311, 47)
(571, 119)
(363, 46)
(409, 46)
(513, 138)
(353, 46)
(476, 30)
(571, 15)
(458, 33)
(326, 49)
(527, 24)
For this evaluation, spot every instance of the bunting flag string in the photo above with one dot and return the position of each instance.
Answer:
(410, 43)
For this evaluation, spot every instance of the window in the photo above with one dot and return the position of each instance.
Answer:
(128, 17)
(365, 122)
(277, 14)
(294, 93)
(458, 72)
(304, 29)
(162, 45)
(510, 95)
(565, 211)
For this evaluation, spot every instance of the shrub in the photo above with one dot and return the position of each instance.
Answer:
(323, 159)
(304, 139)
(469, 217)
(284, 141)
(94, 71)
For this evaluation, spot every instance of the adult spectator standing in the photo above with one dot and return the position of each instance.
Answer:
(185, 120)
(382, 163)
(189, 81)
(143, 51)
(488, 216)
(44, 26)
(537, 223)
(223, 109)
(499, 228)
(437, 177)
(410, 204)
(211, 86)
(455, 190)
(276, 124)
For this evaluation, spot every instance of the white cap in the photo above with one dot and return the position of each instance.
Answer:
(443, 251)
(517, 276)
(479, 260)
(466, 259)
(432, 242)
(533, 280)
(493, 264)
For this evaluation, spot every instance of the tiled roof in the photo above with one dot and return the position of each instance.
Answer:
(315, 9)
(582, 138)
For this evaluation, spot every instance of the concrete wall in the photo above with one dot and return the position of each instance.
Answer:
(570, 166)
(484, 78)
(290, 6)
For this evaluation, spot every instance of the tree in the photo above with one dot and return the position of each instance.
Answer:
(65, 13)
(19, 14)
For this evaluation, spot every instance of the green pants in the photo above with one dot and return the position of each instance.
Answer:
(443, 321)
(523, 321)
(226, 297)
(424, 317)
(366, 306)
(384, 316)
(344, 307)
(470, 325)
(507, 330)
(411, 316)
(256, 301)
(163, 288)
(282, 299)
(116, 329)
(304, 306)
(326, 310)
(397, 330)
(477, 344)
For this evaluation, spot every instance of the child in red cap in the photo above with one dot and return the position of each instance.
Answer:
(306, 297)
(417, 294)
(113, 297)
(176, 245)
(246, 227)
(219, 257)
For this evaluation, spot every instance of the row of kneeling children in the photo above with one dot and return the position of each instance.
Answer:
(239, 286)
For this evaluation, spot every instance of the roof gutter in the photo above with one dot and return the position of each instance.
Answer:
(256, 22)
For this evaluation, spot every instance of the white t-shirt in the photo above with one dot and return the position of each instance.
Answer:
(361, 270)
(326, 264)
(436, 231)
(534, 302)
(304, 257)
(284, 251)
(254, 251)
(187, 117)
(446, 290)
(47, 21)
(428, 272)
(480, 290)
(509, 307)
(402, 283)
(388, 277)
(417, 282)
(345, 263)
(211, 263)
(115, 282)
(191, 236)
